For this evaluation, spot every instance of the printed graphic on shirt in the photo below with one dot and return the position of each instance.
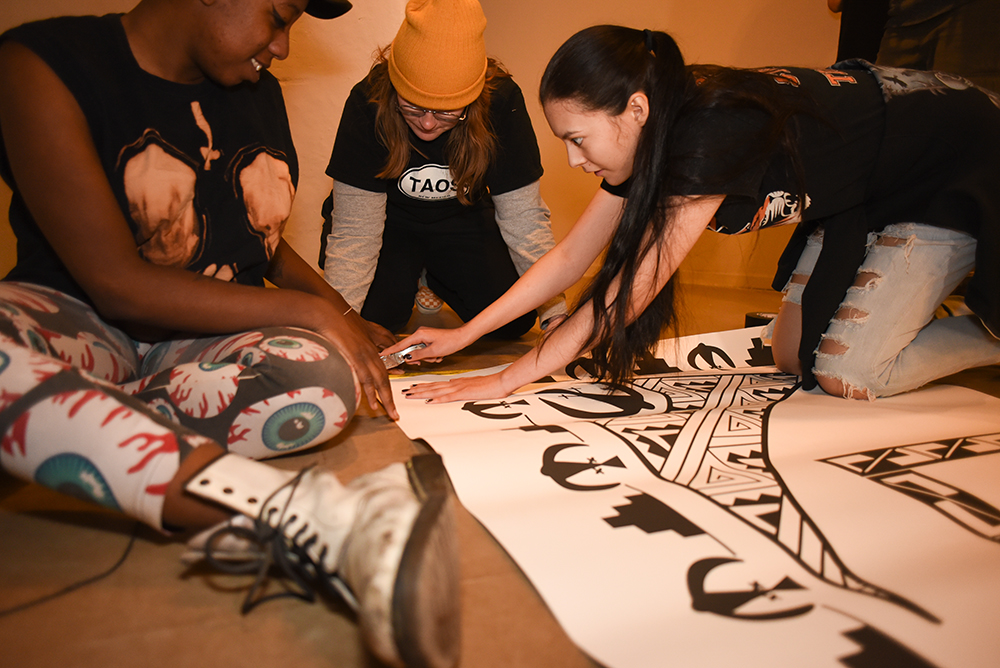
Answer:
(429, 183)
(784, 76)
(264, 184)
(779, 208)
(161, 185)
(896, 81)
(781, 75)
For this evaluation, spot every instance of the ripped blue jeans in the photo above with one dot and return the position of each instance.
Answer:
(885, 339)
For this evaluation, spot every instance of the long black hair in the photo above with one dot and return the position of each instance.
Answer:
(599, 69)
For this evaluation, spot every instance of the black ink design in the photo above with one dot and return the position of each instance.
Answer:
(652, 515)
(760, 355)
(487, 409)
(731, 603)
(897, 468)
(562, 471)
(709, 353)
(879, 650)
(715, 447)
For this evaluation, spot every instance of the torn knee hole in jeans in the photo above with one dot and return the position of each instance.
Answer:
(865, 281)
(851, 314)
(897, 242)
(831, 347)
(843, 388)
(793, 289)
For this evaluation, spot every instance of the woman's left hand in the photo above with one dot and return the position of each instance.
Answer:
(460, 389)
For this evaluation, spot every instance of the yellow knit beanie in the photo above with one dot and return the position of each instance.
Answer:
(438, 59)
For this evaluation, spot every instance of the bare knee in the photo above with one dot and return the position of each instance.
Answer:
(788, 333)
(787, 363)
(785, 353)
(838, 388)
(828, 372)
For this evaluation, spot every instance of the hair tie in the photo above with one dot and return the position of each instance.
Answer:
(650, 41)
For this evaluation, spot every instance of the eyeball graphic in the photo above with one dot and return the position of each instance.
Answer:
(23, 369)
(27, 329)
(165, 409)
(31, 298)
(293, 426)
(294, 348)
(36, 342)
(76, 476)
(89, 353)
(222, 349)
(251, 357)
(152, 361)
(203, 390)
(288, 422)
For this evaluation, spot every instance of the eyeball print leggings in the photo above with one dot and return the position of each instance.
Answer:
(88, 412)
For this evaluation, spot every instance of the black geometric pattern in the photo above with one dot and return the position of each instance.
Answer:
(715, 446)
(899, 468)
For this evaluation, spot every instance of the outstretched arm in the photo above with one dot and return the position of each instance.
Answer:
(567, 342)
(554, 272)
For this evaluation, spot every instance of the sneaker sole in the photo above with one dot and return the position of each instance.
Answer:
(426, 597)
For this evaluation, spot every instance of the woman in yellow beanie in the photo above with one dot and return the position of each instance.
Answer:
(435, 171)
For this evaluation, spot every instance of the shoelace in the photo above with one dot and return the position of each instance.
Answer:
(275, 550)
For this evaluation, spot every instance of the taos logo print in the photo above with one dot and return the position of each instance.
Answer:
(428, 183)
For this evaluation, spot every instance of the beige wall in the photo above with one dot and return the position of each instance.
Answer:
(328, 57)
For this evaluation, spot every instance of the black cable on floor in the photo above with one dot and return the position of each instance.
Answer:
(76, 585)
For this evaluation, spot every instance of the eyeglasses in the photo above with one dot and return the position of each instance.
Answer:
(443, 116)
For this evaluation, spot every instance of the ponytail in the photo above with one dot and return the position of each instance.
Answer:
(599, 69)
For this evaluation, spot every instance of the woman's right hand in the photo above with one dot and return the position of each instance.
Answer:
(439, 342)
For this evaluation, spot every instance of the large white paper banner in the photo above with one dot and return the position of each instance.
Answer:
(723, 517)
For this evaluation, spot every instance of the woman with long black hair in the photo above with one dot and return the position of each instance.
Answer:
(889, 174)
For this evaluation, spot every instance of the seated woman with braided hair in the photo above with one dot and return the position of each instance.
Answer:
(144, 365)
(889, 174)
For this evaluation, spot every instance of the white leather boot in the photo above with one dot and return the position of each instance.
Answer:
(385, 542)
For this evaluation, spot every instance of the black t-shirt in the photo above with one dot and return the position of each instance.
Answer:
(838, 152)
(205, 175)
(425, 193)
(887, 146)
